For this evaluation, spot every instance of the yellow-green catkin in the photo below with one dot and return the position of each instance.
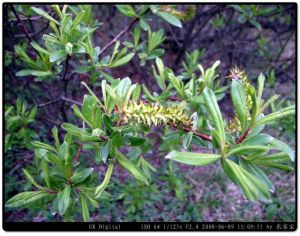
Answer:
(154, 114)
(237, 74)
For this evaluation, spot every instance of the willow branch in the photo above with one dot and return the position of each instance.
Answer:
(24, 29)
(115, 39)
(62, 98)
(195, 132)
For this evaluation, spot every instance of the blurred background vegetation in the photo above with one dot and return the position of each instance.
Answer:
(257, 38)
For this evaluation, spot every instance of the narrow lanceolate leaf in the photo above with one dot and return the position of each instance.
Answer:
(92, 93)
(281, 146)
(44, 14)
(25, 198)
(252, 187)
(41, 145)
(46, 173)
(214, 111)
(78, 113)
(173, 20)
(259, 139)
(84, 209)
(261, 83)
(105, 182)
(258, 173)
(187, 138)
(39, 48)
(190, 158)
(122, 61)
(245, 149)
(131, 167)
(64, 199)
(79, 133)
(238, 97)
(276, 115)
(127, 10)
(279, 161)
(80, 176)
(31, 179)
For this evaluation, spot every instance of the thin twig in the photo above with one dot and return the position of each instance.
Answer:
(69, 100)
(33, 34)
(49, 103)
(62, 98)
(24, 29)
(115, 39)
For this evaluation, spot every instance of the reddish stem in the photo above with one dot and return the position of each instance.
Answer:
(197, 133)
(241, 139)
(76, 159)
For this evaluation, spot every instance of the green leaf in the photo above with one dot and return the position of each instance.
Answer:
(103, 152)
(129, 92)
(64, 152)
(31, 179)
(44, 14)
(39, 48)
(89, 110)
(261, 82)
(116, 139)
(91, 93)
(41, 145)
(245, 149)
(238, 97)
(191, 158)
(135, 141)
(122, 61)
(177, 83)
(259, 139)
(252, 187)
(79, 133)
(276, 115)
(148, 94)
(173, 20)
(84, 209)
(187, 138)
(78, 113)
(131, 167)
(46, 174)
(258, 173)
(107, 123)
(214, 111)
(64, 199)
(277, 161)
(256, 24)
(126, 10)
(281, 146)
(143, 24)
(105, 182)
(25, 198)
(33, 72)
(57, 55)
(32, 113)
(55, 135)
(78, 19)
(80, 176)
